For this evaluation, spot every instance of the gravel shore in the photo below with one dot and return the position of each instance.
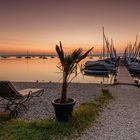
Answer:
(41, 108)
(121, 119)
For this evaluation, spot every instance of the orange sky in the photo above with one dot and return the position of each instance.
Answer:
(38, 25)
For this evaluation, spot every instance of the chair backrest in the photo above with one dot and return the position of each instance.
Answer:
(7, 91)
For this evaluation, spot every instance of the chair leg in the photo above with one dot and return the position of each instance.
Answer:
(13, 114)
(21, 103)
(12, 107)
(9, 105)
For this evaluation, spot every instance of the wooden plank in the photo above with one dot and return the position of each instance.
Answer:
(123, 76)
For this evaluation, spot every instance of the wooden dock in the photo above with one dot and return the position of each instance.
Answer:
(123, 76)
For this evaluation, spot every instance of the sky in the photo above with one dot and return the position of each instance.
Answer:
(38, 25)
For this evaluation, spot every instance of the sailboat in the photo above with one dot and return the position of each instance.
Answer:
(44, 57)
(52, 56)
(96, 68)
(18, 56)
(4, 57)
(134, 68)
(28, 57)
(133, 64)
(103, 66)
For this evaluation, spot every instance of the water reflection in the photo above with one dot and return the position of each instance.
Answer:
(46, 70)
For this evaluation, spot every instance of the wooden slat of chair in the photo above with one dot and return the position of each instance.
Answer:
(8, 90)
(17, 95)
(5, 90)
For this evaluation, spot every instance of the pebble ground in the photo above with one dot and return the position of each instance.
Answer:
(121, 119)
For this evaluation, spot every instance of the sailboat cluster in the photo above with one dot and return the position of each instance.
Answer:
(132, 57)
(109, 61)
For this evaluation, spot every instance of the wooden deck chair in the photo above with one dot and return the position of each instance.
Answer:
(15, 98)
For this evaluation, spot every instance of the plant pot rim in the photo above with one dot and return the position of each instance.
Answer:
(57, 103)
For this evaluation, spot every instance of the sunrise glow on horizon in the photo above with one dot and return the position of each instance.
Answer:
(38, 25)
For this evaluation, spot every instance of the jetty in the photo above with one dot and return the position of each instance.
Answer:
(123, 76)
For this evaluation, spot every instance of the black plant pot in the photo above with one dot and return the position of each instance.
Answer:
(63, 111)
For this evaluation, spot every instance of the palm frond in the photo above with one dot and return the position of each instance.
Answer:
(60, 53)
(85, 55)
(69, 63)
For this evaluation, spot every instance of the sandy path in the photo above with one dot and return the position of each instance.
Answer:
(121, 120)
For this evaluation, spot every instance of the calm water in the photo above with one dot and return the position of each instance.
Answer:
(44, 70)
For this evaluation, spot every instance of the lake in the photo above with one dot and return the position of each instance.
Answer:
(43, 70)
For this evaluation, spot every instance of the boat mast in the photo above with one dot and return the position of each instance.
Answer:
(136, 45)
(27, 53)
(103, 44)
(111, 49)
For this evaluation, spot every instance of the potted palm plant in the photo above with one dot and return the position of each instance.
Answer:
(69, 64)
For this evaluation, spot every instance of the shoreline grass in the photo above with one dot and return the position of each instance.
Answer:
(83, 118)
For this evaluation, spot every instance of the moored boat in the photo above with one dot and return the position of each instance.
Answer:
(134, 68)
(96, 68)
